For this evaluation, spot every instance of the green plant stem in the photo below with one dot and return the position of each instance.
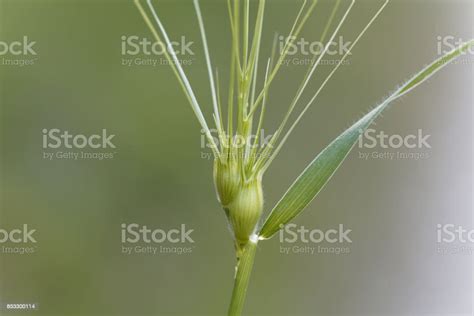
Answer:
(242, 278)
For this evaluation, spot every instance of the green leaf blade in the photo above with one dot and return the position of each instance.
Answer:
(320, 170)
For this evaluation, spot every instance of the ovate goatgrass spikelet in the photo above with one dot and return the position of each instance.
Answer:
(240, 163)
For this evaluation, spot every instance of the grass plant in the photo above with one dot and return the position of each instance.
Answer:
(239, 166)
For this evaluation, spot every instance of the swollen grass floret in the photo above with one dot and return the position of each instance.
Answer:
(227, 180)
(240, 197)
(246, 209)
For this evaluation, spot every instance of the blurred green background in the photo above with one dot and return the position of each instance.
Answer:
(158, 178)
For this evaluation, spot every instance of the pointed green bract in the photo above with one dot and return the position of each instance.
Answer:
(319, 171)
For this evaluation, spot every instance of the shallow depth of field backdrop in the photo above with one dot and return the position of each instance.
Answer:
(159, 176)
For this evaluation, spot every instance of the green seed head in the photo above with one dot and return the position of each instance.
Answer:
(227, 179)
(245, 210)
